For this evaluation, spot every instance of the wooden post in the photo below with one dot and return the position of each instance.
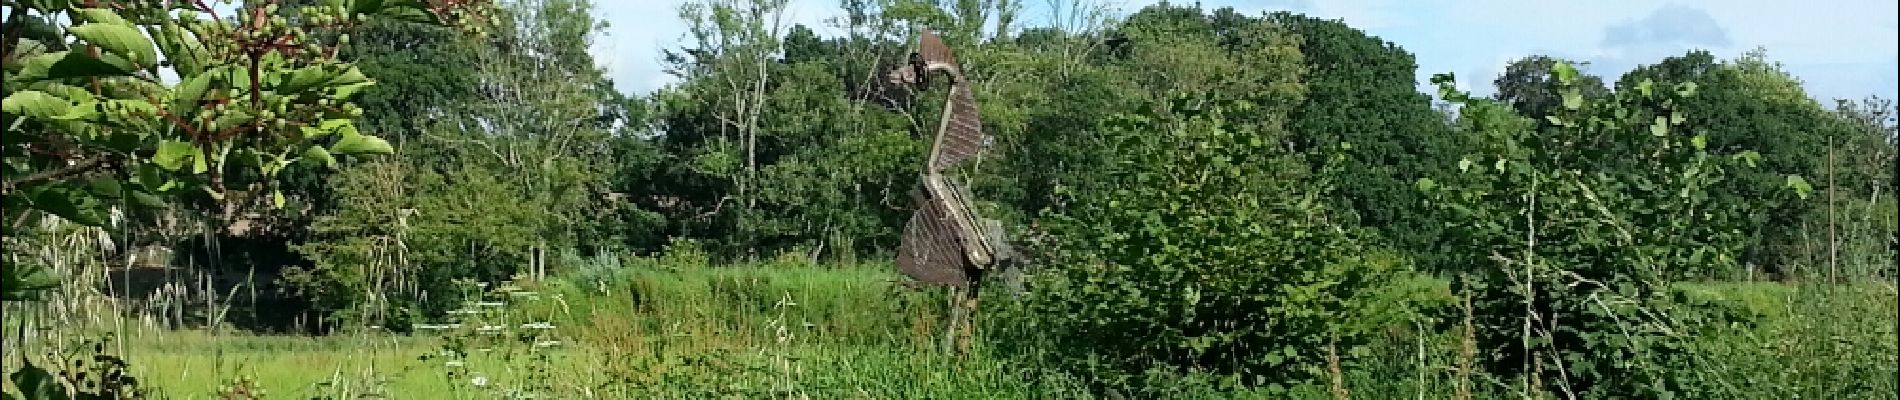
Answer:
(1833, 242)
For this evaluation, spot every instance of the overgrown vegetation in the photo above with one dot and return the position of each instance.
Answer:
(1216, 205)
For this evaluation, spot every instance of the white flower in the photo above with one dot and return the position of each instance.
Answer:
(479, 380)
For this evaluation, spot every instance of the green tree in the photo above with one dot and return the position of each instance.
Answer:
(1575, 232)
(511, 182)
(1525, 85)
(1750, 103)
(1202, 244)
(92, 127)
(1362, 91)
(1206, 248)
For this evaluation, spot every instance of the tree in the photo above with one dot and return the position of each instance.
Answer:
(1750, 103)
(1361, 91)
(1575, 232)
(1526, 87)
(512, 180)
(92, 127)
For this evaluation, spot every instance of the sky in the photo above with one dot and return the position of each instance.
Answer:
(1838, 48)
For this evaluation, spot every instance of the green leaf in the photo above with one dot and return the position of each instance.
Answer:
(172, 154)
(81, 112)
(345, 91)
(305, 78)
(24, 282)
(37, 383)
(1565, 73)
(122, 40)
(148, 200)
(320, 156)
(351, 76)
(72, 205)
(354, 143)
(66, 64)
(1426, 184)
(1800, 186)
(106, 186)
(1749, 157)
(1686, 89)
(1554, 120)
(101, 15)
(1573, 99)
(1701, 142)
(188, 94)
(277, 199)
(35, 104)
(231, 118)
(201, 161)
(1660, 127)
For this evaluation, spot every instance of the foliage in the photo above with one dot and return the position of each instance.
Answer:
(1232, 203)
(92, 126)
(1526, 86)
(1749, 103)
(1200, 254)
(91, 373)
(503, 183)
(1578, 228)
(1363, 91)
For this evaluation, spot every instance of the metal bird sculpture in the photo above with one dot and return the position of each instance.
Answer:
(946, 242)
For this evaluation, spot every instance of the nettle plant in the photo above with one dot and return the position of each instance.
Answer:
(1573, 233)
(124, 104)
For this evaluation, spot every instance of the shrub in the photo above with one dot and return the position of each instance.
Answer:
(1202, 252)
(1572, 232)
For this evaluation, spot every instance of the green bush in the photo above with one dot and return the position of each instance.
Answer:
(1202, 253)
(1573, 232)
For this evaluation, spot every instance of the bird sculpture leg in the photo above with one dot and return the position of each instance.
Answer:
(954, 300)
(960, 331)
(969, 319)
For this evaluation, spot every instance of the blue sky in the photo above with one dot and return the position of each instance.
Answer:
(1839, 48)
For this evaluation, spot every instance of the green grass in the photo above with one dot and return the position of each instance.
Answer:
(791, 330)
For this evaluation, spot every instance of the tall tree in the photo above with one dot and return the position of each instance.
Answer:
(1750, 103)
(1362, 92)
(511, 179)
(1526, 86)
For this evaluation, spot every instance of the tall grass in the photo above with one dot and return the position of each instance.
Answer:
(677, 327)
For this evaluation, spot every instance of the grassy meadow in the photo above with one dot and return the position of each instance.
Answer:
(796, 330)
